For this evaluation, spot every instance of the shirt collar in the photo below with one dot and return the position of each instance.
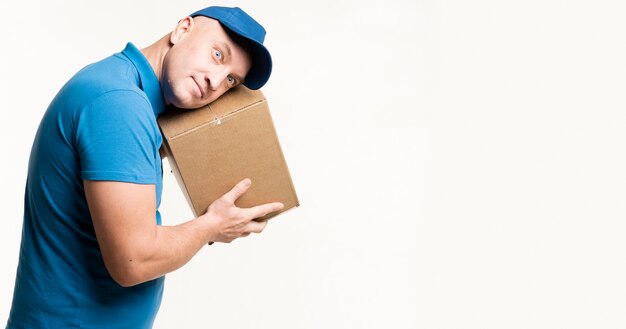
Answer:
(148, 81)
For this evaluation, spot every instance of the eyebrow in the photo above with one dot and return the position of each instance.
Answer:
(227, 47)
(230, 57)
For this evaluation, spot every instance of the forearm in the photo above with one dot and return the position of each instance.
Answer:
(169, 248)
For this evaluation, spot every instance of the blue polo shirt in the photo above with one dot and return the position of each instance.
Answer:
(100, 126)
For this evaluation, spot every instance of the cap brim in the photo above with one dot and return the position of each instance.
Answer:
(261, 66)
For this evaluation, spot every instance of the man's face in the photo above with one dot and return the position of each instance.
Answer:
(203, 63)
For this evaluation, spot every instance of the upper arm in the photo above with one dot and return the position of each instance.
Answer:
(123, 216)
(117, 139)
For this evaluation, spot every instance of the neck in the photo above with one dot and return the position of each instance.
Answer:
(155, 54)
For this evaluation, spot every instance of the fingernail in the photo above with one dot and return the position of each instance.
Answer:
(247, 182)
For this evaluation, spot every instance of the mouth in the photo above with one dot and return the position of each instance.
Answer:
(199, 87)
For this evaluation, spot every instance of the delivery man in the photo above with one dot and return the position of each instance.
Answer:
(93, 253)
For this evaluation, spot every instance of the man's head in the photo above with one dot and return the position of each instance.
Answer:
(211, 51)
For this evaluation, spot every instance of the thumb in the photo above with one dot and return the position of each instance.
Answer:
(237, 191)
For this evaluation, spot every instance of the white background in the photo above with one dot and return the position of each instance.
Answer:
(460, 164)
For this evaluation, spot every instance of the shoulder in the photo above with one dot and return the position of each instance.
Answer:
(113, 79)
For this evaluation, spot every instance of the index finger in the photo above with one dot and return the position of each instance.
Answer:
(262, 210)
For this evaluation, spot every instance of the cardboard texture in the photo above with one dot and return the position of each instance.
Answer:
(213, 148)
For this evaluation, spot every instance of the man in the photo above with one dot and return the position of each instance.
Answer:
(93, 252)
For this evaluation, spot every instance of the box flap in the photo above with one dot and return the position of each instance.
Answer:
(179, 121)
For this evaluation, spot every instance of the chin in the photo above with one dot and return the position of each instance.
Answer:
(186, 106)
(193, 105)
(181, 102)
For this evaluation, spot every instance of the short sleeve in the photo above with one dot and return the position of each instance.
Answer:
(117, 139)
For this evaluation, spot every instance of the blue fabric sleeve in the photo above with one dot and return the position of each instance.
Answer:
(117, 139)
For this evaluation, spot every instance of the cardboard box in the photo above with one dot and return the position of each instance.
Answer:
(213, 148)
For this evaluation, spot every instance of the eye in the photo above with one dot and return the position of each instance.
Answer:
(231, 80)
(217, 54)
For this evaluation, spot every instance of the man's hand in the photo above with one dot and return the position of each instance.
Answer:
(230, 222)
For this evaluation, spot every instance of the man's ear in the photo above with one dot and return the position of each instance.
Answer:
(182, 29)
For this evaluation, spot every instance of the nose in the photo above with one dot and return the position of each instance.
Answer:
(216, 78)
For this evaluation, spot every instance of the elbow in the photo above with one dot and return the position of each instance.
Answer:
(129, 266)
(126, 281)
(127, 275)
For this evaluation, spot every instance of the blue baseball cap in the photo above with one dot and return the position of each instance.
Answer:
(237, 21)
